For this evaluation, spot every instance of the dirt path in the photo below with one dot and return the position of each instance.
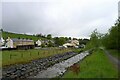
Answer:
(114, 60)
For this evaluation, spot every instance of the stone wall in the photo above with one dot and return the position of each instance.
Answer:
(34, 67)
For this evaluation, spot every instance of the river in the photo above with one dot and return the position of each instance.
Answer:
(60, 68)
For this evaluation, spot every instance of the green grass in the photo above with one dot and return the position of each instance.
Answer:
(115, 53)
(23, 56)
(97, 65)
(0, 58)
(78, 50)
(15, 35)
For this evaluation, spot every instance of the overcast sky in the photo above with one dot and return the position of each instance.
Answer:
(75, 18)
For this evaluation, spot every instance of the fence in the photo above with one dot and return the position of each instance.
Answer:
(16, 56)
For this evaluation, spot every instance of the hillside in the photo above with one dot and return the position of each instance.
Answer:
(16, 35)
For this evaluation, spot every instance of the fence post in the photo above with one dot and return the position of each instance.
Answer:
(21, 55)
(53, 51)
(30, 53)
(44, 52)
(10, 56)
(38, 53)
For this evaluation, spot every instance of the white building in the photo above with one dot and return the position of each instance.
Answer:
(72, 43)
(75, 42)
(2, 41)
(68, 45)
(38, 42)
(9, 43)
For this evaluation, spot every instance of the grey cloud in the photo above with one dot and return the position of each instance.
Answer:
(62, 18)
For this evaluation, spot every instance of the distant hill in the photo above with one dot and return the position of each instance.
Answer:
(6, 34)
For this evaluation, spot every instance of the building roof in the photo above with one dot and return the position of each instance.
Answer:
(26, 40)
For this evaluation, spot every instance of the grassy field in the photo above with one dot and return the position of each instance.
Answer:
(23, 56)
(15, 35)
(115, 53)
(97, 65)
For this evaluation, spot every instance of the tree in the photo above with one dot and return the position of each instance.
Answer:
(18, 37)
(49, 36)
(56, 39)
(42, 45)
(70, 38)
(94, 40)
(59, 41)
(62, 40)
(50, 44)
(1, 30)
(112, 39)
(66, 39)
(40, 35)
(83, 41)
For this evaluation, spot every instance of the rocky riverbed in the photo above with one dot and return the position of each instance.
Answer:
(34, 67)
(60, 68)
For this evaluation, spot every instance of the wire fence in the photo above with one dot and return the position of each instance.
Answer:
(23, 54)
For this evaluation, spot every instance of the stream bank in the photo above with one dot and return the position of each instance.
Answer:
(60, 68)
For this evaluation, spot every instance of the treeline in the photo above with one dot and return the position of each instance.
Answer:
(48, 39)
(110, 40)
(59, 41)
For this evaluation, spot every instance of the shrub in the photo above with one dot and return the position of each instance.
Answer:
(75, 68)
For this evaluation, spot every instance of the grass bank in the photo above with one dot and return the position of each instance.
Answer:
(16, 35)
(23, 56)
(97, 65)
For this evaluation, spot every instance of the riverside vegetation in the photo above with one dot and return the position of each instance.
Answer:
(97, 65)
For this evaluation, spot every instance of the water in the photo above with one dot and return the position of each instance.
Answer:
(60, 68)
